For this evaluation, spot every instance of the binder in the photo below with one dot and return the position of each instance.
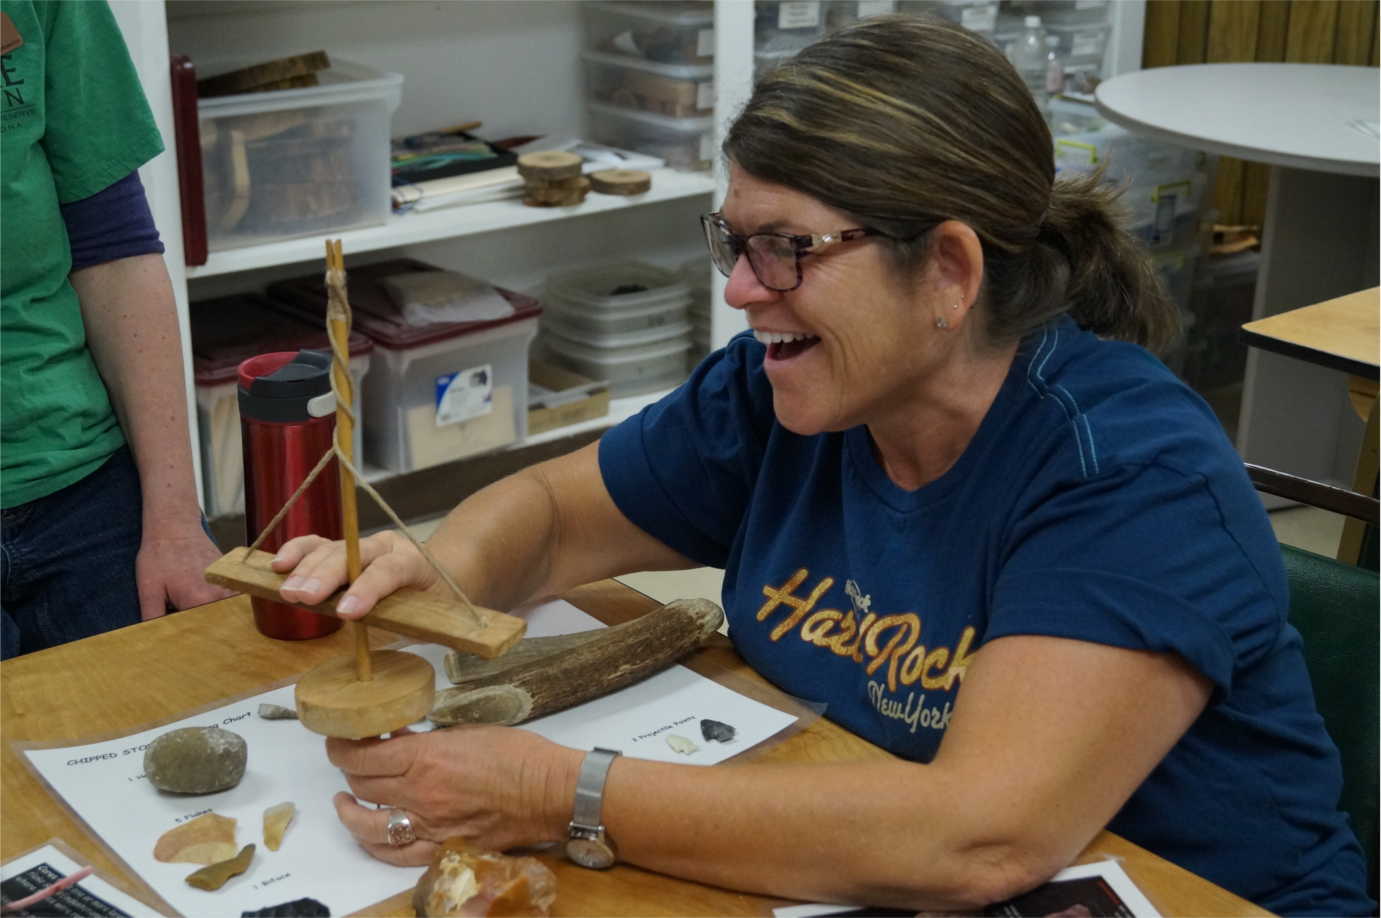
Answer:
(187, 142)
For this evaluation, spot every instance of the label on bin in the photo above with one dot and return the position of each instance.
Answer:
(794, 14)
(704, 95)
(868, 8)
(980, 18)
(464, 395)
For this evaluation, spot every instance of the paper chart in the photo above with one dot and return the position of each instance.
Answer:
(104, 783)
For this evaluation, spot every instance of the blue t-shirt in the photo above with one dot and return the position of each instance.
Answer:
(1099, 500)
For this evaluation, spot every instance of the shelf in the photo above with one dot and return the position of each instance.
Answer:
(447, 223)
(619, 410)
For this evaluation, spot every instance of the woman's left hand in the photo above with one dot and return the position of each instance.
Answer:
(497, 787)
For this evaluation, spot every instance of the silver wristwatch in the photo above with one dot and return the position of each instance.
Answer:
(587, 843)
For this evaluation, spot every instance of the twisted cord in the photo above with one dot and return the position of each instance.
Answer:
(334, 451)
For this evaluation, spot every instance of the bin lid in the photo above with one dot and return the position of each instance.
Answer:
(227, 330)
(378, 316)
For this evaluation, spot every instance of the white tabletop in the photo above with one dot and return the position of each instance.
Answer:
(1308, 116)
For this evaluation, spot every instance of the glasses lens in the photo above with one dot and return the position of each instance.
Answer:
(721, 248)
(774, 261)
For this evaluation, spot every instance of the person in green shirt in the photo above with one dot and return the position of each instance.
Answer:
(99, 516)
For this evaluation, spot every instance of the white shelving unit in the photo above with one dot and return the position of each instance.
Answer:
(450, 223)
(516, 66)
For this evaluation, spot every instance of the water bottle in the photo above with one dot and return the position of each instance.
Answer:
(287, 423)
(1028, 56)
(1054, 66)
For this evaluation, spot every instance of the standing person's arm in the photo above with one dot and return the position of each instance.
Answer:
(131, 327)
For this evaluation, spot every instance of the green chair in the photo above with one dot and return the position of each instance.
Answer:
(1334, 606)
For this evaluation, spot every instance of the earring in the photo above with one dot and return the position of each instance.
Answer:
(955, 306)
(941, 322)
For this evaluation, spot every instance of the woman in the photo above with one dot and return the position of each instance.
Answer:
(926, 468)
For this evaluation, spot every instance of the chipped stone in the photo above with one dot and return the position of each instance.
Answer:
(716, 731)
(213, 876)
(205, 840)
(276, 712)
(681, 744)
(297, 908)
(196, 760)
(276, 820)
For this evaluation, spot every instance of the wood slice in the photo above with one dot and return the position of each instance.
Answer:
(332, 702)
(549, 165)
(248, 78)
(621, 181)
(556, 194)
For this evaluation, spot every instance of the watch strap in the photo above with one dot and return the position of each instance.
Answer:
(589, 787)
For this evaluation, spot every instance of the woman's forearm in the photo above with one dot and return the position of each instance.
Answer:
(542, 531)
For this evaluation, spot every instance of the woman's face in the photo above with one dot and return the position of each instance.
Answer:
(854, 342)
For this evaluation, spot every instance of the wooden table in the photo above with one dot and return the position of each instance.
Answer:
(1344, 334)
(1314, 125)
(158, 671)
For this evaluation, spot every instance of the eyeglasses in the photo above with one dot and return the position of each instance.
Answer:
(774, 257)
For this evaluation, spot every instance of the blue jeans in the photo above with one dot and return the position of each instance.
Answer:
(67, 560)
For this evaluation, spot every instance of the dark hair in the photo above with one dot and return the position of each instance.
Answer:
(903, 122)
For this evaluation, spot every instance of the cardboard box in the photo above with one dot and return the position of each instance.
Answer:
(558, 397)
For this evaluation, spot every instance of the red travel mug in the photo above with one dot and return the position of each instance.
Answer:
(287, 422)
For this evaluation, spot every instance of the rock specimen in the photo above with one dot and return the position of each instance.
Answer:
(297, 908)
(205, 840)
(196, 760)
(213, 876)
(276, 712)
(276, 820)
(716, 731)
(465, 880)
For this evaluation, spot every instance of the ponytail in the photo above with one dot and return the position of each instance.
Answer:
(1082, 262)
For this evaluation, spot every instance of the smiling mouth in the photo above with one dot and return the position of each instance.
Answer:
(785, 345)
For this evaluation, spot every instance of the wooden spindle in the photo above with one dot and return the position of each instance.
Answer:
(338, 323)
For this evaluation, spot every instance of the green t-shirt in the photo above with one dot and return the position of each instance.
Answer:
(73, 121)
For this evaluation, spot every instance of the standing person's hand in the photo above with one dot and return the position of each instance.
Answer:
(169, 569)
(496, 787)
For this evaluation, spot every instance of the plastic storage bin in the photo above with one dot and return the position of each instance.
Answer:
(1082, 45)
(225, 332)
(975, 15)
(616, 299)
(696, 273)
(674, 90)
(631, 370)
(293, 162)
(685, 143)
(786, 27)
(668, 32)
(435, 392)
(1163, 184)
(841, 13)
(1176, 272)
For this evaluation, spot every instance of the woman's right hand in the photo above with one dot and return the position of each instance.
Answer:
(316, 569)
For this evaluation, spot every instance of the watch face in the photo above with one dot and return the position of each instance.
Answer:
(590, 852)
